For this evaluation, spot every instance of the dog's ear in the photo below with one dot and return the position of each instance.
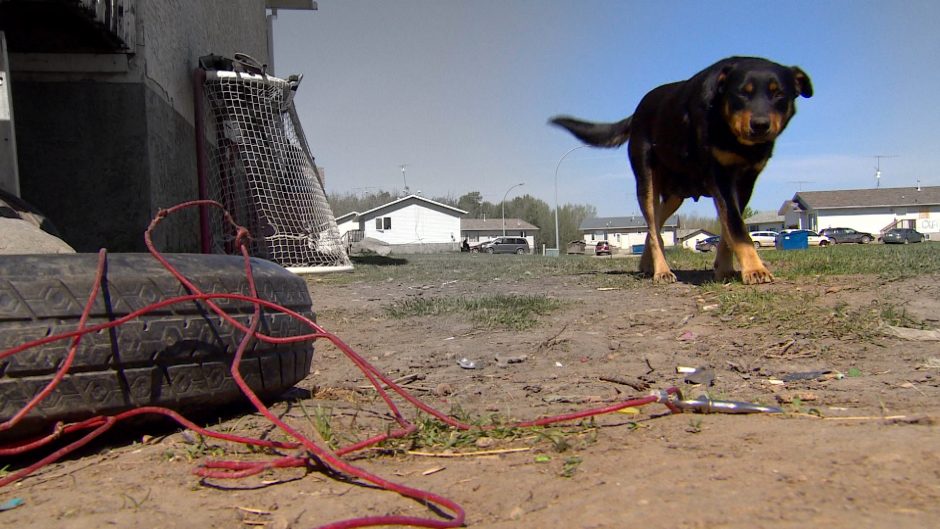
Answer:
(804, 86)
(715, 83)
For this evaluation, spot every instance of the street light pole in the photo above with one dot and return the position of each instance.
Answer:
(557, 245)
(504, 204)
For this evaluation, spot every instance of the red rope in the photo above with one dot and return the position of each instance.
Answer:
(234, 469)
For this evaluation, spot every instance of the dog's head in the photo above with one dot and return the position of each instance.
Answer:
(756, 96)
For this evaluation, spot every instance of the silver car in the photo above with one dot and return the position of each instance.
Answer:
(517, 245)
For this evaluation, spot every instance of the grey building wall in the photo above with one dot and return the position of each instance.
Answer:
(106, 137)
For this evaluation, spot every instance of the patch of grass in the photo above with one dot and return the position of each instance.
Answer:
(440, 268)
(890, 261)
(744, 306)
(571, 466)
(495, 311)
(432, 434)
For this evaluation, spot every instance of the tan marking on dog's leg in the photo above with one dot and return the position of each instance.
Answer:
(661, 210)
(753, 270)
(659, 268)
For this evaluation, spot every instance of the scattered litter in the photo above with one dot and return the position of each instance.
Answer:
(687, 336)
(449, 338)
(703, 404)
(466, 363)
(543, 459)
(629, 411)
(605, 289)
(434, 470)
(812, 375)
(558, 364)
(11, 504)
(505, 360)
(697, 375)
(853, 372)
(707, 308)
(918, 335)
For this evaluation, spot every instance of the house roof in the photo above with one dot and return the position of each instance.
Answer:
(687, 233)
(862, 198)
(494, 224)
(411, 199)
(612, 223)
(764, 217)
(787, 207)
(350, 215)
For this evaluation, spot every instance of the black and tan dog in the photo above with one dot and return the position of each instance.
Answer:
(708, 136)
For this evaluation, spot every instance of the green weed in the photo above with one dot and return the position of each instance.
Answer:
(496, 311)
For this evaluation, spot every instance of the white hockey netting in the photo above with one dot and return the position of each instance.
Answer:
(260, 168)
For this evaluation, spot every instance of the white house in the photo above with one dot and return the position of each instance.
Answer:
(413, 224)
(689, 237)
(625, 232)
(872, 210)
(347, 223)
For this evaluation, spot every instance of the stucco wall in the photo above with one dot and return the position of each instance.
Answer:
(81, 160)
(103, 144)
(173, 34)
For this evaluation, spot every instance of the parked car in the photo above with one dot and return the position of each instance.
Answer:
(843, 235)
(764, 238)
(813, 238)
(902, 236)
(504, 245)
(602, 248)
(708, 244)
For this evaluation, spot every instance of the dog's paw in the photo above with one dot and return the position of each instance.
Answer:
(663, 278)
(757, 276)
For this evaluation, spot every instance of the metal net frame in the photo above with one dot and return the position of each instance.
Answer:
(260, 168)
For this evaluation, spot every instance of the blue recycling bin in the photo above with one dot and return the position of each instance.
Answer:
(796, 240)
(637, 248)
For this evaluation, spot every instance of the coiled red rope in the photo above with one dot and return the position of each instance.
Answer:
(97, 426)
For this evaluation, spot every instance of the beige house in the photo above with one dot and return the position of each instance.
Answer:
(476, 231)
(625, 232)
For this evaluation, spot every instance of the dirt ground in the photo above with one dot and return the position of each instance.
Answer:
(854, 451)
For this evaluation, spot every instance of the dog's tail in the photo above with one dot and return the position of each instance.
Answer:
(596, 134)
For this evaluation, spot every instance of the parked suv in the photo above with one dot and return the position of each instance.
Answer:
(602, 248)
(506, 245)
(841, 235)
(709, 244)
(764, 238)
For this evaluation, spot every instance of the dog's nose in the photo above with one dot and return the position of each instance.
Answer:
(760, 125)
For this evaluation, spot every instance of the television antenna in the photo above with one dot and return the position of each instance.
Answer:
(878, 157)
(404, 180)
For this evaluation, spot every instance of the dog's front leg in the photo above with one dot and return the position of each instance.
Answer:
(735, 240)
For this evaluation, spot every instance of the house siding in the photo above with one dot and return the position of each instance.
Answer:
(413, 224)
(627, 239)
(873, 220)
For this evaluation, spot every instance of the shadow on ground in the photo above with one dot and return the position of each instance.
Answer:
(378, 260)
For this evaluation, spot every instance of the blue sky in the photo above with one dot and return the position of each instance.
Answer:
(461, 91)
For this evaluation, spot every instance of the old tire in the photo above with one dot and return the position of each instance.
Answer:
(177, 357)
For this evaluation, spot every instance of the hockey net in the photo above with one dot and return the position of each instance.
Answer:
(260, 168)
